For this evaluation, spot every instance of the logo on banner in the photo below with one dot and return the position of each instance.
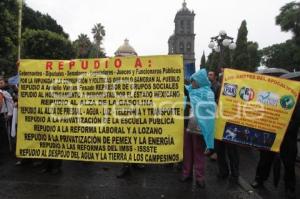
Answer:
(246, 94)
(287, 102)
(268, 98)
(230, 90)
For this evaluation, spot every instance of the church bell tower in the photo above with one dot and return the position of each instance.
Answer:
(183, 39)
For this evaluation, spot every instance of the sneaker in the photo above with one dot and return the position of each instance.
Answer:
(208, 152)
(213, 157)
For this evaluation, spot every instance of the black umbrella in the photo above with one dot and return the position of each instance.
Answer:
(292, 76)
(273, 71)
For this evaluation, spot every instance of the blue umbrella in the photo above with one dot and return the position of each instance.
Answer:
(14, 80)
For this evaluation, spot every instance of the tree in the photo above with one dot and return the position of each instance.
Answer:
(38, 21)
(31, 20)
(240, 57)
(98, 34)
(285, 55)
(227, 58)
(8, 30)
(95, 52)
(212, 61)
(253, 55)
(43, 44)
(289, 19)
(202, 64)
(82, 46)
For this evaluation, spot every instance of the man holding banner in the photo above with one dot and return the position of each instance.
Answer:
(227, 153)
(288, 153)
(256, 110)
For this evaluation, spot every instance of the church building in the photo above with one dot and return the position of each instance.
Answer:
(183, 39)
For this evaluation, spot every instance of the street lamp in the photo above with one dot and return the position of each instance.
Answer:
(219, 43)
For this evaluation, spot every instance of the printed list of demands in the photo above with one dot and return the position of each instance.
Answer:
(101, 117)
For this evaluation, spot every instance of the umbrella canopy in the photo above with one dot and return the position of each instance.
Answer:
(293, 76)
(273, 71)
(13, 80)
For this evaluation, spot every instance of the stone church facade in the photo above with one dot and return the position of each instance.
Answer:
(183, 39)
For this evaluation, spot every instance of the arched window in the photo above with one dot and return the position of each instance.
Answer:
(181, 47)
(188, 47)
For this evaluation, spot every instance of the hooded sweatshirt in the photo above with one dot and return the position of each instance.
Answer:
(202, 100)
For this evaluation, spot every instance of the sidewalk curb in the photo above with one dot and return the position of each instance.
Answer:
(246, 187)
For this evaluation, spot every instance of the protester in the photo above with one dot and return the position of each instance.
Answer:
(2, 130)
(288, 154)
(6, 110)
(226, 152)
(8, 88)
(215, 86)
(200, 130)
(127, 167)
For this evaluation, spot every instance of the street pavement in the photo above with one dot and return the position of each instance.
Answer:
(98, 180)
(84, 180)
(249, 159)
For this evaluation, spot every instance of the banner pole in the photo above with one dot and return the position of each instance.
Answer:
(20, 2)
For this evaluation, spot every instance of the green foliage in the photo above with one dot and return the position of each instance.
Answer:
(38, 21)
(96, 53)
(203, 61)
(246, 56)
(35, 42)
(43, 38)
(285, 55)
(240, 57)
(7, 67)
(8, 31)
(227, 58)
(43, 44)
(82, 46)
(212, 61)
(253, 55)
(289, 19)
(98, 32)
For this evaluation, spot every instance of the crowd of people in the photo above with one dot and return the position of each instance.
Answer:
(203, 88)
(196, 144)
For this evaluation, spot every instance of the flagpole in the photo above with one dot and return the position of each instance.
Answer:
(20, 28)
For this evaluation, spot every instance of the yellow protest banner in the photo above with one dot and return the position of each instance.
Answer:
(254, 109)
(122, 109)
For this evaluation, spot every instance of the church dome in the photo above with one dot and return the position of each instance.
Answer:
(125, 50)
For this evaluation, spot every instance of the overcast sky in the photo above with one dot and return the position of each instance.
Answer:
(149, 23)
